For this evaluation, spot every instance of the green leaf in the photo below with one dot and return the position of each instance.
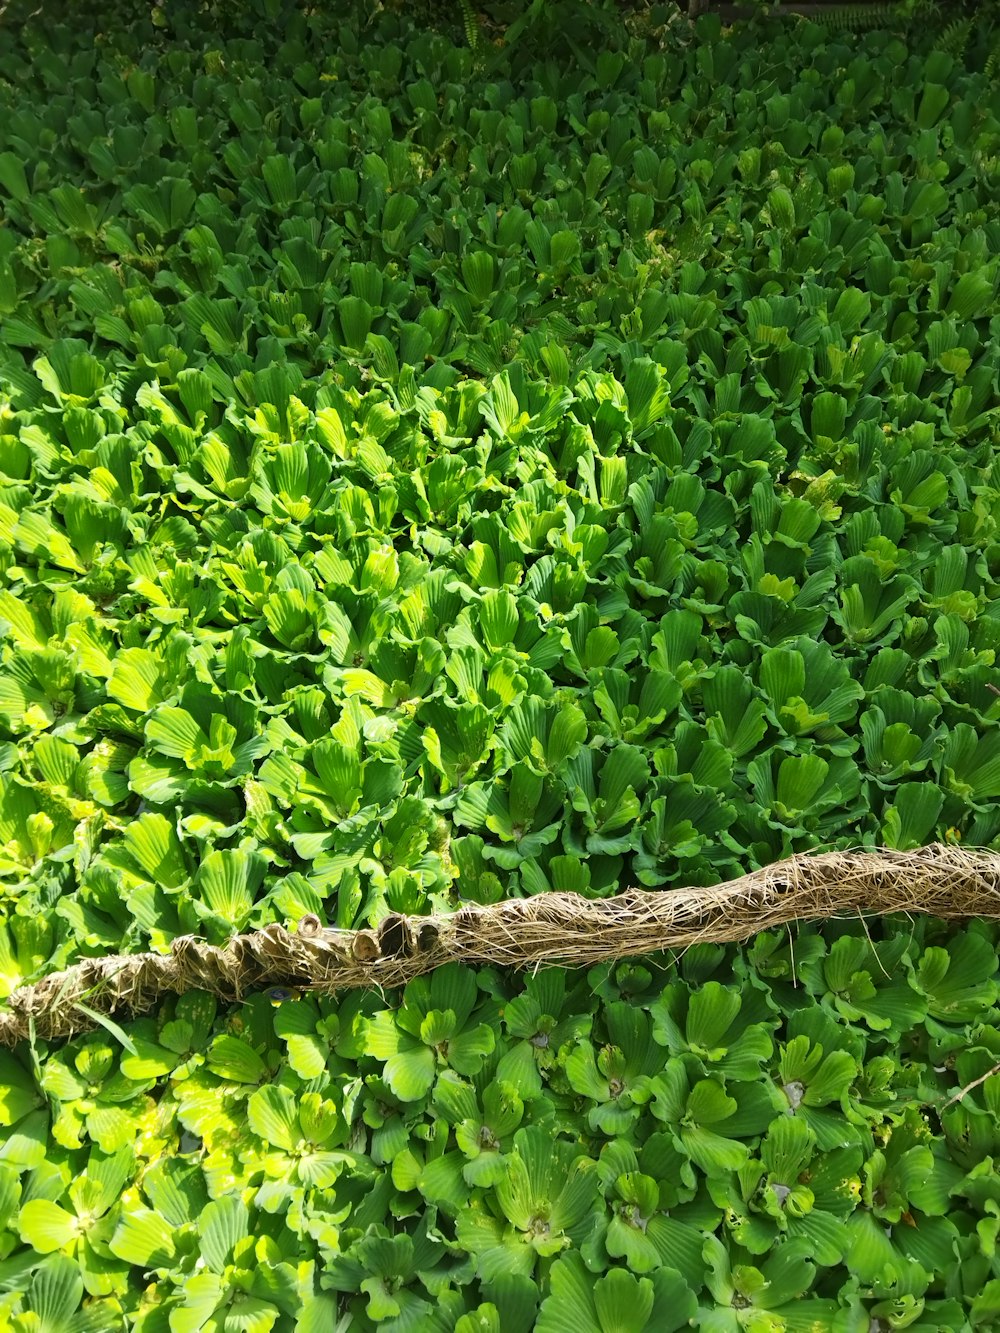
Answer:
(55, 1293)
(273, 1115)
(174, 732)
(736, 717)
(911, 818)
(618, 1302)
(498, 619)
(229, 881)
(154, 845)
(203, 1294)
(12, 176)
(222, 1225)
(139, 679)
(232, 1058)
(972, 294)
(410, 1074)
(143, 1238)
(45, 1226)
(648, 394)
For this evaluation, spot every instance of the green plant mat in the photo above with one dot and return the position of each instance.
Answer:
(433, 476)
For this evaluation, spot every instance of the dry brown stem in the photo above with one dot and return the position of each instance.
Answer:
(552, 928)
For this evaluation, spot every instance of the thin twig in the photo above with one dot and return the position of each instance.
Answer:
(969, 1086)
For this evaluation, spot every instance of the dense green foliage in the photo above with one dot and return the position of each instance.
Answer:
(427, 477)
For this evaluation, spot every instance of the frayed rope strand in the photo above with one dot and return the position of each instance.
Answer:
(550, 929)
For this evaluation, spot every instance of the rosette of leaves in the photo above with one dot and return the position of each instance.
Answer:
(735, 715)
(83, 1229)
(484, 1121)
(327, 784)
(59, 779)
(524, 811)
(647, 1225)
(631, 709)
(694, 778)
(393, 1281)
(808, 690)
(183, 411)
(901, 734)
(540, 735)
(36, 687)
(304, 1136)
(969, 1125)
(728, 1029)
(210, 1097)
(956, 978)
(293, 613)
(680, 647)
(433, 1029)
(803, 794)
(309, 1026)
(46, 538)
(91, 1095)
(871, 605)
(873, 986)
(593, 876)
(895, 1264)
(617, 1302)
(181, 1034)
(591, 645)
(494, 683)
(690, 758)
(792, 1191)
(26, 943)
(556, 585)
(456, 738)
(241, 1278)
(959, 665)
(140, 678)
(393, 1123)
(39, 676)
(511, 1303)
(397, 670)
(150, 871)
(816, 1076)
(617, 1075)
(547, 1201)
(702, 517)
(475, 874)
(708, 1125)
(198, 751)
(484, 1116)
(34, 833)
(289, 484)
(774, 610)
(906, 1184)
(908, 822)
(680, 839)
(407, 868)
(247, 564)
(607, 793)
(52, 1301)
(225, 891)
(757, 1299)
(969, 765)
(541, 1023)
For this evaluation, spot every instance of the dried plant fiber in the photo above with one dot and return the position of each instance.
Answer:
(550, 929)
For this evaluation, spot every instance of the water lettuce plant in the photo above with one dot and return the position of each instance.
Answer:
(432, 472)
